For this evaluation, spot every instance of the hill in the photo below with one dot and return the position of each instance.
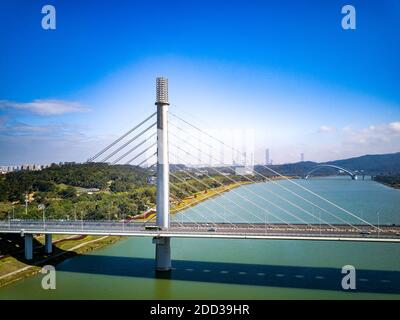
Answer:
(14, 185)
(378, 164)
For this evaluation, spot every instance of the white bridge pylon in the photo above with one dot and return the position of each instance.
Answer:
(163, 246)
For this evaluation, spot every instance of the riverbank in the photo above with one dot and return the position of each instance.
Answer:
(13, 266)
(196, 198)
(181, 204)
(390, 181)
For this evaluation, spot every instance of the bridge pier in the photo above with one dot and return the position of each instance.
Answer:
(163, 253)
(48, 244)
(28, 250)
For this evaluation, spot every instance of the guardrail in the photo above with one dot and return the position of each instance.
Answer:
(179, 229)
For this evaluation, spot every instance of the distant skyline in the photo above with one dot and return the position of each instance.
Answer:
(285, 70)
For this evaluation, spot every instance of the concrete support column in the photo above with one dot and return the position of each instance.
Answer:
(163, 253)
(48, 243)
(28, 246)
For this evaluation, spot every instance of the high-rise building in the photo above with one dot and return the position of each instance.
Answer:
(267, 156)
(302, 157)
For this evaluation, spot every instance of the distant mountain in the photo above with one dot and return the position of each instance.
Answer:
(377, 164)
(290, 169)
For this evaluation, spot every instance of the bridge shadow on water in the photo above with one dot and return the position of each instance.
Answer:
(371, 281)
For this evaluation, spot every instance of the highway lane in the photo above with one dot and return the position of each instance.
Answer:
(201, 229)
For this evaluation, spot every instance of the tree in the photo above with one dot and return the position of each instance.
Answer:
(3, 191)
(67, 193)
(121, 186)
(44, 186)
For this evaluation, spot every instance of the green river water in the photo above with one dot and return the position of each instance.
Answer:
(244, 269)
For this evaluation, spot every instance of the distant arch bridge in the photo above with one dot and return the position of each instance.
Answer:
(350, 173)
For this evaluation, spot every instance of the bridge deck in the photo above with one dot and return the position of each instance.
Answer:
(208, 230)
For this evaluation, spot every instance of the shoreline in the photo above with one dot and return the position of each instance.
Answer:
(83, 243)
(190, 201)
(187, 201)
(391, 186)
(204, 195)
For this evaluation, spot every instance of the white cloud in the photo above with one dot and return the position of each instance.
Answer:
(45, 107)
(325, 128)
(348, 141)
(387, 133)
(395, 126)
(51, 130)
(54, 142)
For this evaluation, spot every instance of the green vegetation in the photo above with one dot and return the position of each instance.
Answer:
(88, 191)
(90, 175)
(392, 181)
(94, 191)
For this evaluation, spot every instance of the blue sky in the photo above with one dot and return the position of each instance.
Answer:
(284, 69)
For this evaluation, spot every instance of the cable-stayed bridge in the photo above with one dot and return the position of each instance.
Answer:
(288, 210)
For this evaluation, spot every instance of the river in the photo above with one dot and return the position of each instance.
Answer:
(245, 269)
